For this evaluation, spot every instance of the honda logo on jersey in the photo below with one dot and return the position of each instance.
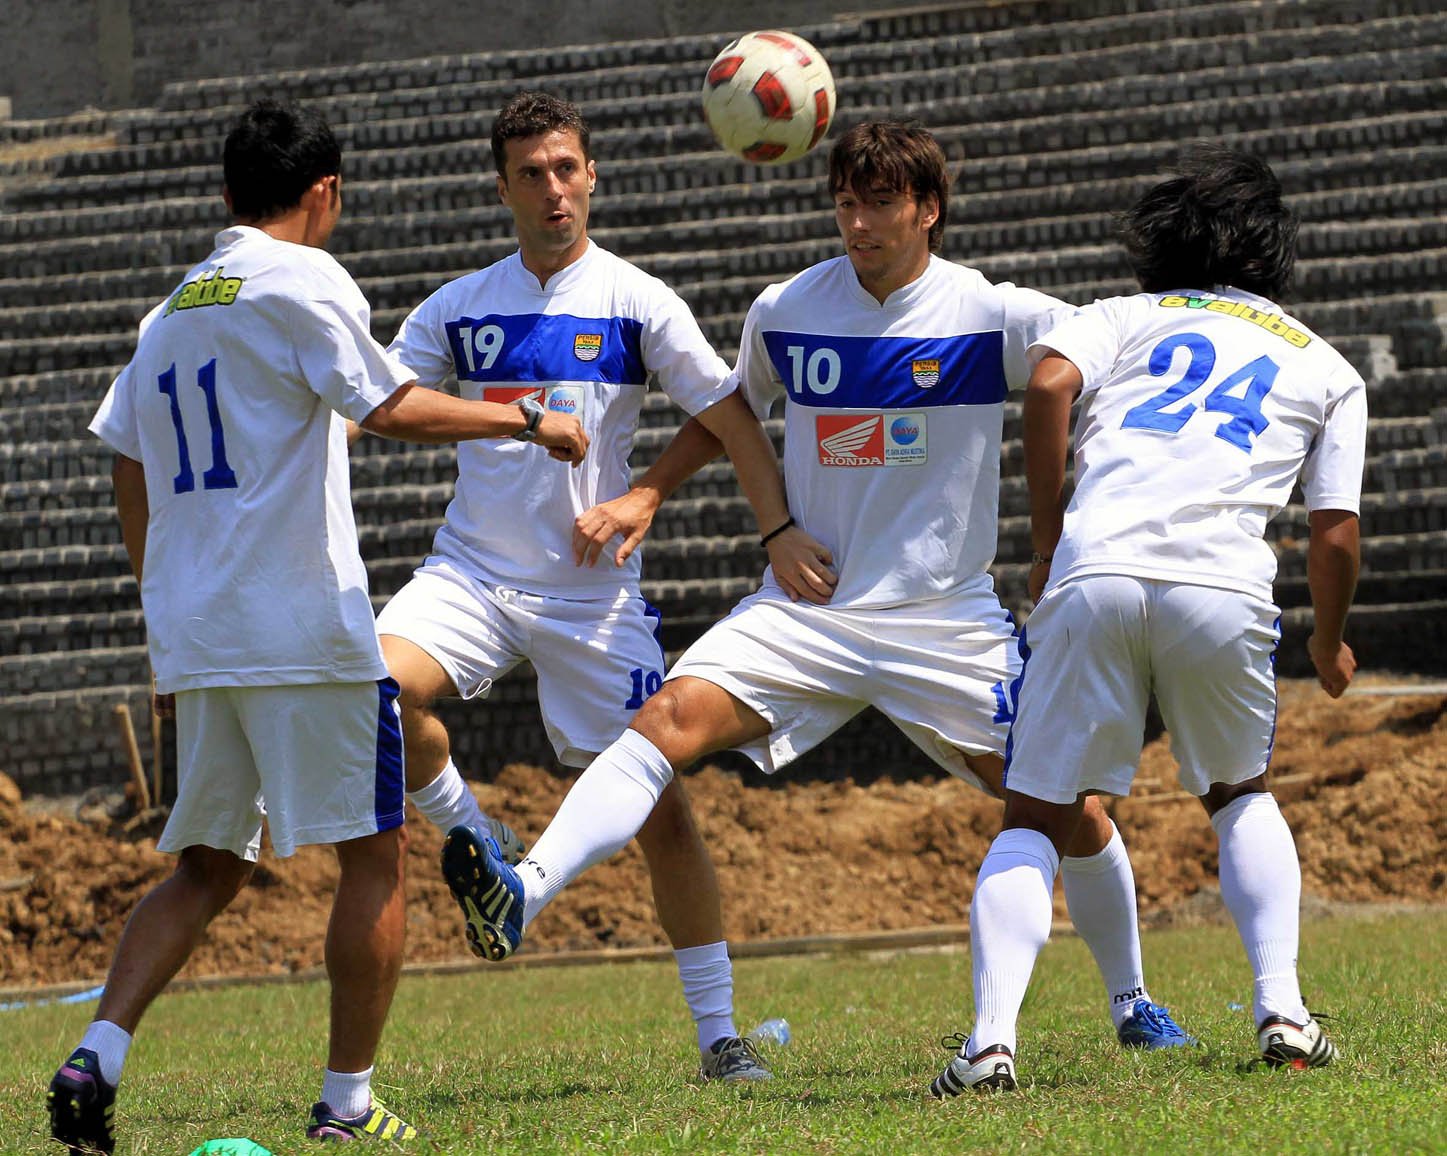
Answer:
(871, 439)
(850, 439)
(512, 394)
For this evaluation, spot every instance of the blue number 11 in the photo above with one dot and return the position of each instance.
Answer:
(220, 476)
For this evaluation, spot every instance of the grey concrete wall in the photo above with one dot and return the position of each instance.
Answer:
(59, 56)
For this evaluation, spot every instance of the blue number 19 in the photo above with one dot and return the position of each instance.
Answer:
(220, 476)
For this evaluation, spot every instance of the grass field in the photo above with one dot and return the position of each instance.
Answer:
(598, 1058)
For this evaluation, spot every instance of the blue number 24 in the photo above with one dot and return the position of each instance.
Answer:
(1257, 377)
(220, 475)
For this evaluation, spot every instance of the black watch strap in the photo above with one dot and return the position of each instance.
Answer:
(533, 411)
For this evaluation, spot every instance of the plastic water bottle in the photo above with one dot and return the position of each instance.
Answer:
(772, 1031)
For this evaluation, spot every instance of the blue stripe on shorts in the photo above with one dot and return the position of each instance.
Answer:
(390, 785)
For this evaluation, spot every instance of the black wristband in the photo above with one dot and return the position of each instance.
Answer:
(775, 532)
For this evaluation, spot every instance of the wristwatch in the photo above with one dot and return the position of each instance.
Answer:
(534, 413)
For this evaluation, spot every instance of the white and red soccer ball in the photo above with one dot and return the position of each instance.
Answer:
(769, 97)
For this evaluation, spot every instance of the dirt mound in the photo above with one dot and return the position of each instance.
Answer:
(1361, 782)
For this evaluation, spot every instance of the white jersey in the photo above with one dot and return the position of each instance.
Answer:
(583, 344)
(252, 574)
(893, 417)
(1199, 411)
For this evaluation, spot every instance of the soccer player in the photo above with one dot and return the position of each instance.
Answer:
(234, 501)
(564, 326)
(894, 366)
(1202, 402)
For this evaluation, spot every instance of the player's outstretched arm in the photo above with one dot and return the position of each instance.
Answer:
(1332, 560)
(424, 415)
(630, 515)
(802, 566)
(1053, 387)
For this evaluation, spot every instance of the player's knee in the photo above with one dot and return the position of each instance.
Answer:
(675, 721)
(217, 875)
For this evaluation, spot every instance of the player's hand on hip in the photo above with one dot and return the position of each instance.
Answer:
(1335, 664)
(561, 434)
(629, 515)
(802, 566)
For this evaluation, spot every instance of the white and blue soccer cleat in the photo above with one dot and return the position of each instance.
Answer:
(488, 891)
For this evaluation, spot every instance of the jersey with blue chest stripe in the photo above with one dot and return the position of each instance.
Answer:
(584, 344)
(892, 417)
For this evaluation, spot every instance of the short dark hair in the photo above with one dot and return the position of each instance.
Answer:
(1219, 220)
(532, 114)
(902, 156)
(274, 153)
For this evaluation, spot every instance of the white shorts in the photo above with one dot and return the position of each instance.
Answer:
(321, 761)
(1097, 646)
(597, 660)
(942, 671)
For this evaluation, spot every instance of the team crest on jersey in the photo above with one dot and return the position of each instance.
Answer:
(871, 439)
(587, 346)
(926, 373)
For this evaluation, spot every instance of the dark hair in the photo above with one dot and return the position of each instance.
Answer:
(274, 153)
(532, 114)
(901, 156)
(1219, 221)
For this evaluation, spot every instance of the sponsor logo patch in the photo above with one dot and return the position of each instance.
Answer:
(926, 373)
(587, 346)
(512, 394)
(850, 439)
(214, 288)
(566, 399)
(871, 439)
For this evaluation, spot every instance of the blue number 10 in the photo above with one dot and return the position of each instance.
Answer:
(220, 475)
(1247, 420)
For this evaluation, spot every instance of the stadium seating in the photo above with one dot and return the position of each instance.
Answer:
(1052, 111)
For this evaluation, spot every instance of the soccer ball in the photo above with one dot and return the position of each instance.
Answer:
(769, 97)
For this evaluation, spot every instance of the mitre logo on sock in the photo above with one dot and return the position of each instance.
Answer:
(1131, 996)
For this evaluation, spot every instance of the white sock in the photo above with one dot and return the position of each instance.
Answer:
(608, 804)
(447, 800)
(1261, 887)
(110, 1043)
(348, 1094)
(1009, 924)
(708, 987)
(1100, 893)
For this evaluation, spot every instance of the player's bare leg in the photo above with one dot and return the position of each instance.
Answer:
(159, 937)
(434, 784)
(686, 894)
(1101, 897)
(165, 928)
(364, 944)
(685, 886)
(1261, 887)
(364, 959)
